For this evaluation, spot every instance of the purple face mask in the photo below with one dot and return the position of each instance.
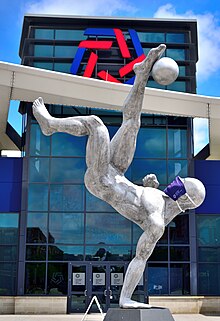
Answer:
(175, 189)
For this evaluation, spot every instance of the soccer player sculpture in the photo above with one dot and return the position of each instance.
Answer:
(107, 161)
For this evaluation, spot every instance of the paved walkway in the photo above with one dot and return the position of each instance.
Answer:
(97, 317)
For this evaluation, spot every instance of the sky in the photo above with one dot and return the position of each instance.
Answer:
(207, 13)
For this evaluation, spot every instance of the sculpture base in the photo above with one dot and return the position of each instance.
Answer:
(152, 314)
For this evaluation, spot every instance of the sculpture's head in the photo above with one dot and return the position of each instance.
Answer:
(194, 196)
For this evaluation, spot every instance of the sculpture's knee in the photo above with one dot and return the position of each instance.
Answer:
(157, 231)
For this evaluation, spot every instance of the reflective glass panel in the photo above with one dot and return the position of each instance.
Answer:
(179, 279)
(37, 227)
(38, 169)
(182, 71)
(177, 167)
(43, 65)
(176, 54)
(209, 254)
(177, 86)
(62, 67)
(157, 279)
(69, 34)
(175, 37)
(68, 145)
(57, 279)
(179, 253)
(65, 51)
(8, 228)
(209, 279)
(44, 34)
(160, 253)
(8, 278)
(142, 167)
(35, 278)
(66, 228)
(43, 51)
(104, 252)
(151, 143)
(177, 143)
(66, 198)
(151, 37)
(94, 204)
(111, 228)
(69, 170)
(65, 253)
(36, 253)
(38, 197)
(8, 253)
(39, 143)
(154, 84)
(208, 230)
(179, 230)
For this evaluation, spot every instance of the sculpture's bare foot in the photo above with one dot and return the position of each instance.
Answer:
(130, 304)
(42, 116)
(146, 65)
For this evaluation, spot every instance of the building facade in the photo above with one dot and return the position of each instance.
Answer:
(67, 242)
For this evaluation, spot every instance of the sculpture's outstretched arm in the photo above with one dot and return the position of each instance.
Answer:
(123, 144)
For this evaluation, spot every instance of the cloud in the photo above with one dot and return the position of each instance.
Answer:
(201, 134)
(208, 38)
(76, 7)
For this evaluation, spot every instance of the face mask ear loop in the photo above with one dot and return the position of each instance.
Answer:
(191, 200)
(180, 207)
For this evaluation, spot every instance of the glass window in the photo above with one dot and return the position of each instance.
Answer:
(68, 145)
(179, 253)
(67, 198)
(179, 279)
(160, 253)
(66, 228)
(8, 276)
(65, 51)
(57, 278)
(177, 143)
(65, 253)
(35, 278)
(43, 51)
(104, 252)
(182, 71)
(209, 254)
(176, 54)
(151, 37)
(62, 67)
(8, 228)
(142, 167)
(8, 253)
(43, 65)
(38, 169)
(111, 228)
(44, 34)
(70, 35)
(177, 86)
(68, 170)
(157, 279)
(39, 143)
(179, 229)
(177, 167)
(38, 197)
(151, 143)
(36, 253)
(37, 227)
(175, 37)
(94, 204)
(209, 279)
(208, 230)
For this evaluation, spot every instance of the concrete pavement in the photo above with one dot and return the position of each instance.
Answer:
(97, 317)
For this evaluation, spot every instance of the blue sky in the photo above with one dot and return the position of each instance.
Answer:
(207, 13)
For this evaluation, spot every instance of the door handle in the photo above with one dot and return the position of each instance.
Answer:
(85, 293)
(105, 293)
(110, 293)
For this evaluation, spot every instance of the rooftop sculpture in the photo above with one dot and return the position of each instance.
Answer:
(107, 161)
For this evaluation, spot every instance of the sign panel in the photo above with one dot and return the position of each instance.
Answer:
(98, 278)
(79, 278)
(117, 278)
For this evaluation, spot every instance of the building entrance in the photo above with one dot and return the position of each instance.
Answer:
(103, 280)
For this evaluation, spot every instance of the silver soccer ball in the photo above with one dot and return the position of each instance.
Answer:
(165, 71)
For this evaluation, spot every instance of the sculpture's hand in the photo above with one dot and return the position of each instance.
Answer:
(150, 180)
